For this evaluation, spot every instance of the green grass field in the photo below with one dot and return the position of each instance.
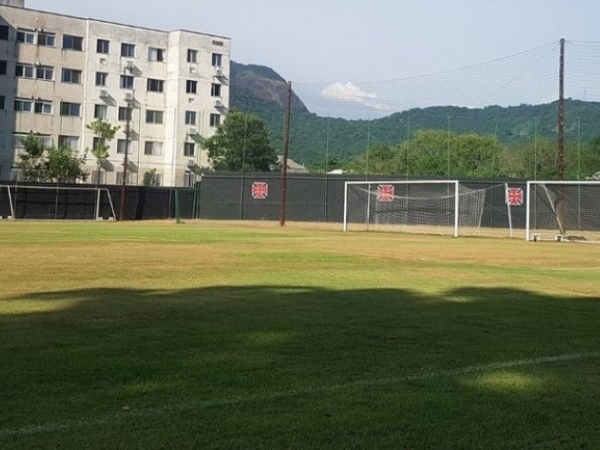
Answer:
(229, 336)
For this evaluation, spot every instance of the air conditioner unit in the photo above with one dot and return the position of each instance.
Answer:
(129, 97)
(218, 102)
(191, 163)
(129, 66)
(218, 71)
(103, 94)
(37, 63)
(192, 131)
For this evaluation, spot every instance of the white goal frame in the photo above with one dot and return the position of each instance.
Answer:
(560, 231)
(12, 192)
(453, 184)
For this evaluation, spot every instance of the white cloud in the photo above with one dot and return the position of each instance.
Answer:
(349, 92)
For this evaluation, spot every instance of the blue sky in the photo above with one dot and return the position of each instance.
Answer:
(352, 41)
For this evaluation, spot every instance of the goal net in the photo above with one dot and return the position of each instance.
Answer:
(563, 210)
(55, 202)
(432, 207)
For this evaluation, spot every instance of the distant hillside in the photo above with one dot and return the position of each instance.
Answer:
(252, 85)
(261, 91)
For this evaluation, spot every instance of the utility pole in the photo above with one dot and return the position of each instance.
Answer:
(286, 149)
(125, 161)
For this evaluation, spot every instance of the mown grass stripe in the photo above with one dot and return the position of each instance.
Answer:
(117, 418)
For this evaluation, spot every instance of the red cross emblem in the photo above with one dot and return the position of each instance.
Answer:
(385, 193)
(260, 190)
(514, 196)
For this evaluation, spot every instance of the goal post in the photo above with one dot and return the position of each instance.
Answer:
(563, 211)
(417, 206)
(55, 202)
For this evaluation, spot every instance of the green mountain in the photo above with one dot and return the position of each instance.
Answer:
(261, 91)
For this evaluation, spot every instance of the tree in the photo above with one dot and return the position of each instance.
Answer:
(104, 132)
(533, 160)
(381, 159)
(433, 153)
(62, 166)
(40, 164)
(445, 154)
(31, 161)
(150, 178)
(326, 166)
(242, 143)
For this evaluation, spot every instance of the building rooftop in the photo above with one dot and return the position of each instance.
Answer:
(3, 5)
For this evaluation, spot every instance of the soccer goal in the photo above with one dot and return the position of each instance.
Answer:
(563, 211)
(430, 206)
(55, 202)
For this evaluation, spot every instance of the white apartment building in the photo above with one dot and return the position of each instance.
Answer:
(59, 73)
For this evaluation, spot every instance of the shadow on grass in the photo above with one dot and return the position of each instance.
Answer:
(258, 364)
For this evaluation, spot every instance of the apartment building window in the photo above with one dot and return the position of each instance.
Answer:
(215, 90)
(191, 86)
(153, 116)
(125, 113)
(44, 73)
(102, 46)
(43, 107)
(26, 36)
(100, 111)
(120, 177)
(152, 178)
(72, 42)
(2, 102)
(18, 139)
(217, 59)
(4, 32)
(22, 105)
(46, 39)
(71, 76)
(153, 148)
(189, 149)
(156, 54)
(70, 109)
(128, 50)
(190, 118)
(189, 179)
(98, 142)
(23, 71)
(101, 78)
(98, 177)
(121, 144)
(154, 85)
(127, 81)
(71, 142)
(192, 56)
(215, 120)
(2, 67)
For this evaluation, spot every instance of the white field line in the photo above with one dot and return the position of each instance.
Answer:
(121, 417)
